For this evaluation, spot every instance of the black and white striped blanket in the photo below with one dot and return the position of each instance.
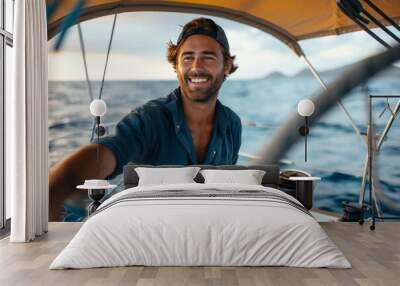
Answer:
(206, 194)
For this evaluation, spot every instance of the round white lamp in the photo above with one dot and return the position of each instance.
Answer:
(98, 108)
(305, 108)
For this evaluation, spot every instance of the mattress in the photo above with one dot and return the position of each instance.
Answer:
(201, 225)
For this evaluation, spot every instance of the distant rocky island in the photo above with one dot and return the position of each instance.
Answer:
(276, 74)
(393, 71)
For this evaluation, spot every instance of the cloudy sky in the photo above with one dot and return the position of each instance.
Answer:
(138, 51)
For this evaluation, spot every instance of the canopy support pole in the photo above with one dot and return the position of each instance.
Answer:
(356, 129)
(378, 147)
(361, 196)
(388, 125)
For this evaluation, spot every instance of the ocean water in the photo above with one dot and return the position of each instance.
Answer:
(335, 152)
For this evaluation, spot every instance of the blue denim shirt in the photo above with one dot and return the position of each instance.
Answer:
(156, 133)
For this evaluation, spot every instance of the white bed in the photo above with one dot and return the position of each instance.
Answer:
(185, 230)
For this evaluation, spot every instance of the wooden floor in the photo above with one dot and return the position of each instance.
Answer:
(374, 255)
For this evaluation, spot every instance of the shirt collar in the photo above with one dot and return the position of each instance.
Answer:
(175, 108)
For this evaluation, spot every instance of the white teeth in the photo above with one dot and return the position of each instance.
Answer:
(198, 80)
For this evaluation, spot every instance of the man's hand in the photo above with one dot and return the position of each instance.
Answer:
(74, 170)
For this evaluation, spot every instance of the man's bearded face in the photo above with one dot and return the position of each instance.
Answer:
(200, 68)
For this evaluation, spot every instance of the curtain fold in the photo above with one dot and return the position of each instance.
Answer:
(26, 119)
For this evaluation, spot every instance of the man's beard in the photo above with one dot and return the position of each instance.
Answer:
(202, 95)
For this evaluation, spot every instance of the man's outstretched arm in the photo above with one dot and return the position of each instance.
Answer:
(74, 170)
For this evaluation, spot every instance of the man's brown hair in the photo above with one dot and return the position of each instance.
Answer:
(202, 26)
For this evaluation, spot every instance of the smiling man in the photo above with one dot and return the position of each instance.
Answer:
(189, 126)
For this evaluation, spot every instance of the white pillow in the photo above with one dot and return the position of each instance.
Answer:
(248, 177)
(163, 176)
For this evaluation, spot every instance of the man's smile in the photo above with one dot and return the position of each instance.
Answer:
(198, 81)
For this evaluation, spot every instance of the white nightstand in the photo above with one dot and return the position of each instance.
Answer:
(304, 189)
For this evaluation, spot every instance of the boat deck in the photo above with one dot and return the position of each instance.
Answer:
(374, 255)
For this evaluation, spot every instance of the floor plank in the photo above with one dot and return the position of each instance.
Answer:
(374, 255)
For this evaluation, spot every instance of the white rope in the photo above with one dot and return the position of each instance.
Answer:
(339, 102)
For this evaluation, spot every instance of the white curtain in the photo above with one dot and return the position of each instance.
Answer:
(26, 121)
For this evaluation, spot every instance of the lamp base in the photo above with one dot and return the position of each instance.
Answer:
(96, 195)
(303, 130)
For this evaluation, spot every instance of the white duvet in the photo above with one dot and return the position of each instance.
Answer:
(200, 231)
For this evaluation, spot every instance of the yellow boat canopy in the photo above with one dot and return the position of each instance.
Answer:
(290, 20)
